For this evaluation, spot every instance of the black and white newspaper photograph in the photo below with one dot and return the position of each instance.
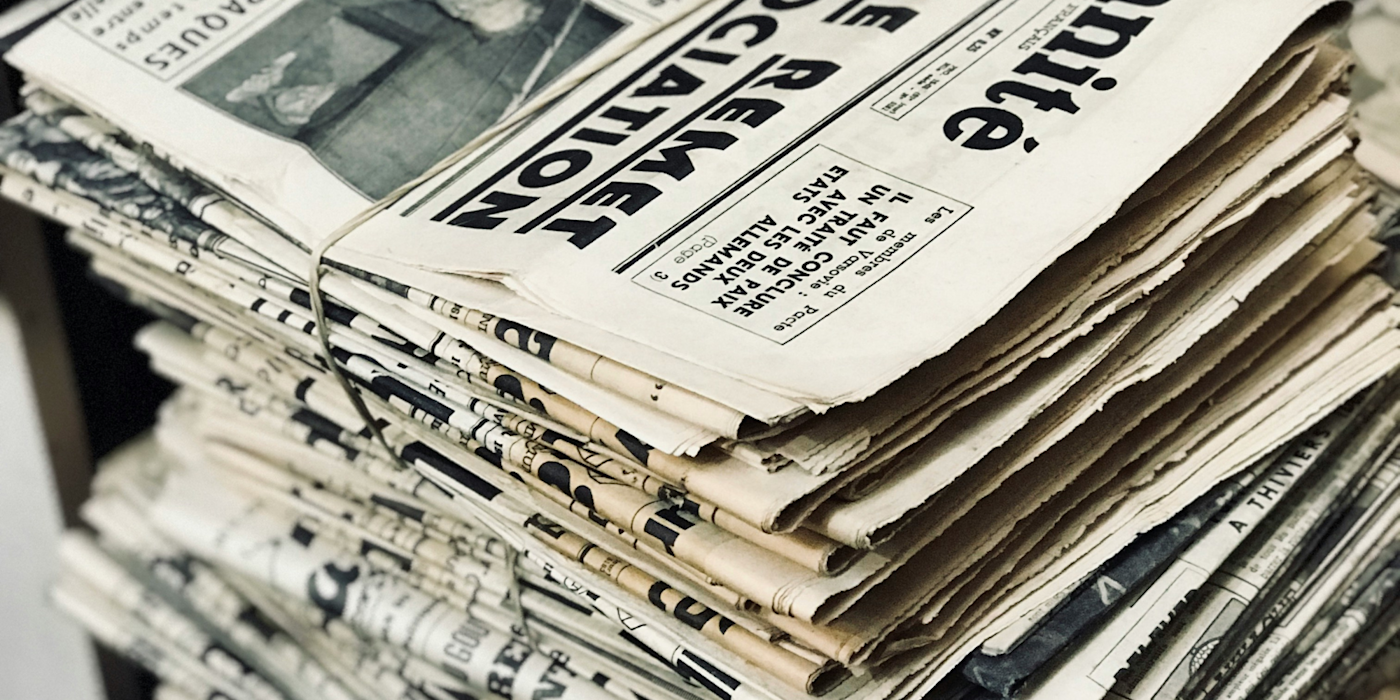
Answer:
(382, 91)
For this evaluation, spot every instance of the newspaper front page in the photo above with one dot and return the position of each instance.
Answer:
(815, 197)
(307, 111)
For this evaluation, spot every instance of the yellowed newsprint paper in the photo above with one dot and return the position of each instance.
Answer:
(814, 196)
(308, 111)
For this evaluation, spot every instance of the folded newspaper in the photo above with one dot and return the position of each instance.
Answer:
(750, 349)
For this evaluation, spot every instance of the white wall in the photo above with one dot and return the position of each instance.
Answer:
(43, 655)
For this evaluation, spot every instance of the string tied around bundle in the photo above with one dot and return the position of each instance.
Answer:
(318, 310)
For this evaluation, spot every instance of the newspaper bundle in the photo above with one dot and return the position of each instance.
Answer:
(756, 348)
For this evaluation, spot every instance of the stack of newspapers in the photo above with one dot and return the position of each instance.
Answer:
(751, 349)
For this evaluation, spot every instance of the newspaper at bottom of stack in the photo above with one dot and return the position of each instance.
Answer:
(283, 585)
